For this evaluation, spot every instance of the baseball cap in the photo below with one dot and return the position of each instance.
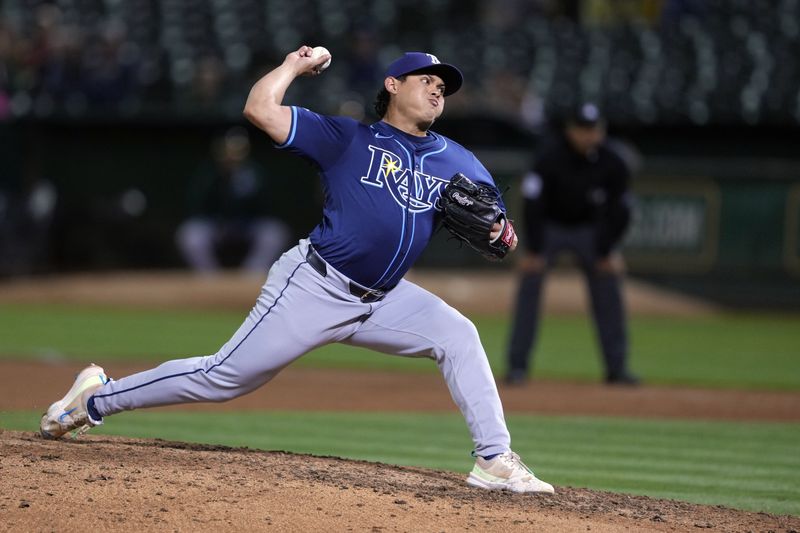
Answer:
(586, 114)
(419, 62)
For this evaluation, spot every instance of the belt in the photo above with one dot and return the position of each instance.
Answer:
(363, 293)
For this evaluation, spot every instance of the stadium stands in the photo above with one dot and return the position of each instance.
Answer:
(711, 62)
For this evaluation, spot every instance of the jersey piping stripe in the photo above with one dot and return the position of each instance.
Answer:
(403, 230)
(288, 282)
(422, 159)
(414, 217)
(292, 131)
(396, 253)
(413, 227)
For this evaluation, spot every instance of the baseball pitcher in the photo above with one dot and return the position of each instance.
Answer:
(387, 187)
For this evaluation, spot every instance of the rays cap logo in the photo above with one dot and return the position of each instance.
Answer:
(420, 63)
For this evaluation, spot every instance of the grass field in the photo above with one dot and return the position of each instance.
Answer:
(743, 465)
(734, 351)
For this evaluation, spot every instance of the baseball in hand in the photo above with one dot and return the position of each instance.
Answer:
(319, 51)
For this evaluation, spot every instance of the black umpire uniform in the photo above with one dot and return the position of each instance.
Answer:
(575, 200)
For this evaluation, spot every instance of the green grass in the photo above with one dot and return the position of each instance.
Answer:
(734, 351)
(749, 466)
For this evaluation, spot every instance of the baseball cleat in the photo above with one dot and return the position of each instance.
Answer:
(69, 413)
(506, 471)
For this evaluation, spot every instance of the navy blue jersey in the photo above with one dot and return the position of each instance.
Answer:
(381, 186)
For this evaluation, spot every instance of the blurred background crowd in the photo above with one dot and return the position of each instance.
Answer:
(646, 61)
(107, 107)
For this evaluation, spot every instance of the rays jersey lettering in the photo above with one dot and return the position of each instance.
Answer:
(412, 189)
(365, 171)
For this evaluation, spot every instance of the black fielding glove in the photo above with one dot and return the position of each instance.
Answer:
(469, 212)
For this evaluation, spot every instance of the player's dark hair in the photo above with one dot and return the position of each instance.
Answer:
(382, 100)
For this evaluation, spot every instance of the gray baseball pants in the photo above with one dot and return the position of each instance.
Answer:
(299, 310)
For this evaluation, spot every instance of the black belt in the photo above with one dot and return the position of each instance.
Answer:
(366, 295)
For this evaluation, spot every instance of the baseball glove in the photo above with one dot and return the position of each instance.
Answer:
(469, 212)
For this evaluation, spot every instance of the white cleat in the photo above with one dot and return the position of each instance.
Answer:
(506, 471)
(69, 413)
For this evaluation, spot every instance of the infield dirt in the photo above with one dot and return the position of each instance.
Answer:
(118, 484)
(312, 389)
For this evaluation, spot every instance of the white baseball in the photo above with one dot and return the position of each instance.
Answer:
(321, 51)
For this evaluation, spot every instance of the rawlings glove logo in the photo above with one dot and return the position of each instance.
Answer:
(470, 212)
(461, 199)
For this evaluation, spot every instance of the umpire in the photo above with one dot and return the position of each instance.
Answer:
(575, 200)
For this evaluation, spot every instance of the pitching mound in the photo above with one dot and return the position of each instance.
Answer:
(116, 484)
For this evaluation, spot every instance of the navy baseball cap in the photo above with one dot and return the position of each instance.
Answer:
(420, 62)
(586, 114)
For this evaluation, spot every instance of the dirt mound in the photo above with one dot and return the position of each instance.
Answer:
(115, 484)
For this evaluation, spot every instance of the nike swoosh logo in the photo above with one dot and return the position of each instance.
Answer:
(381, 136)
(66, 413)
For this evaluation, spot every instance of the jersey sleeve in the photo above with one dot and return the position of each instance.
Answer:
(321, 138)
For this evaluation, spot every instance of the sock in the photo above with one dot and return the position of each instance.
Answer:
(490, 457)
(94, 416)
